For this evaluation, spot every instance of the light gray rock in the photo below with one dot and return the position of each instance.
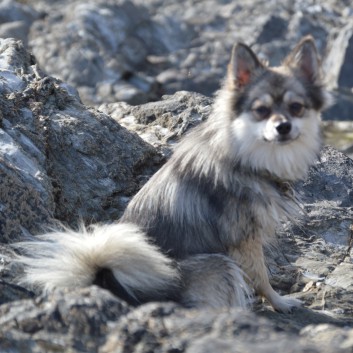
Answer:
(103, 45)
(13, 11)
(15, 29)
(162, 123)
(164, 328)
(133, 51)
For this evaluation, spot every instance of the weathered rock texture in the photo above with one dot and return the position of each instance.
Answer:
(59, 159)
(134, 51)
(162, 123)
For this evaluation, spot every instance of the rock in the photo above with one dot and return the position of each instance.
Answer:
(102, 56)
(117, 36)
(59, 159)
(62, 321)
(338, 71)
(26, 201)
(337, 61)
(11, 292)
(16, 20)
(91, 319)
(169, 329)
(162, 123)
(13, 11)
(342, 108)
(345, 77)
(135, 52)
(16, 29)
(274, 28)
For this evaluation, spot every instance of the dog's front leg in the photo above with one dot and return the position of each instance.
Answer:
(250, 257)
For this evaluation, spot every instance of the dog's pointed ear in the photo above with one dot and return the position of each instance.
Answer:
(242, 66)
(305, 60)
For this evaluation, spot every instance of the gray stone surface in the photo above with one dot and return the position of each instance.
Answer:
(162, 123)
(61, 322)
(136, 51)
(58, 158)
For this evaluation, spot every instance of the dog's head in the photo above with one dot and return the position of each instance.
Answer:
(275, 112)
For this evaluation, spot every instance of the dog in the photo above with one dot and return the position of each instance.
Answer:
(196, 230)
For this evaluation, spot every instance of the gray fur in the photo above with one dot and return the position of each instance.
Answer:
(212, 196)
(187, 214)
(206, 198)
(214, 281)
(221, 195)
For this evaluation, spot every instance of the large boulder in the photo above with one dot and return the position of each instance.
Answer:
(60, 159)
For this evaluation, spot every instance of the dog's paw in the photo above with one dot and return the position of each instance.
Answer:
(285, 304)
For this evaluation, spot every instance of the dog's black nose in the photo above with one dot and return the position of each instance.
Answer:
(284, 128)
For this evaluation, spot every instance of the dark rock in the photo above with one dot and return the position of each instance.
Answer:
(13, 11)
(60, 159)
(342, 108)
(334, 172)
(76, 321)
(135, 52)
(11, 292)
(105, 43)
(345, 78)
(338, 71)
(274, 28)
(303, 24)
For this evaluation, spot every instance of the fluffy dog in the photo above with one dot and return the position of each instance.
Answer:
(195, 232)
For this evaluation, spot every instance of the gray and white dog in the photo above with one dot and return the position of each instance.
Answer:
(195, 232)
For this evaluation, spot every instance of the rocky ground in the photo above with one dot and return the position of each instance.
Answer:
(62, 160)
(135, 51)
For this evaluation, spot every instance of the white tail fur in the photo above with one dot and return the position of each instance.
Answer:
(71, 259)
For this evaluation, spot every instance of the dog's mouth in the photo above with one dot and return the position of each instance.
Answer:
(282, 139)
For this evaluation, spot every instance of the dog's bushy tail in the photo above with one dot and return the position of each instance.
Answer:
(117, 257)
(120, 258)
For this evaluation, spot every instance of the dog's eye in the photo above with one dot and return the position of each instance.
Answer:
(263, 112)
(296, 109)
